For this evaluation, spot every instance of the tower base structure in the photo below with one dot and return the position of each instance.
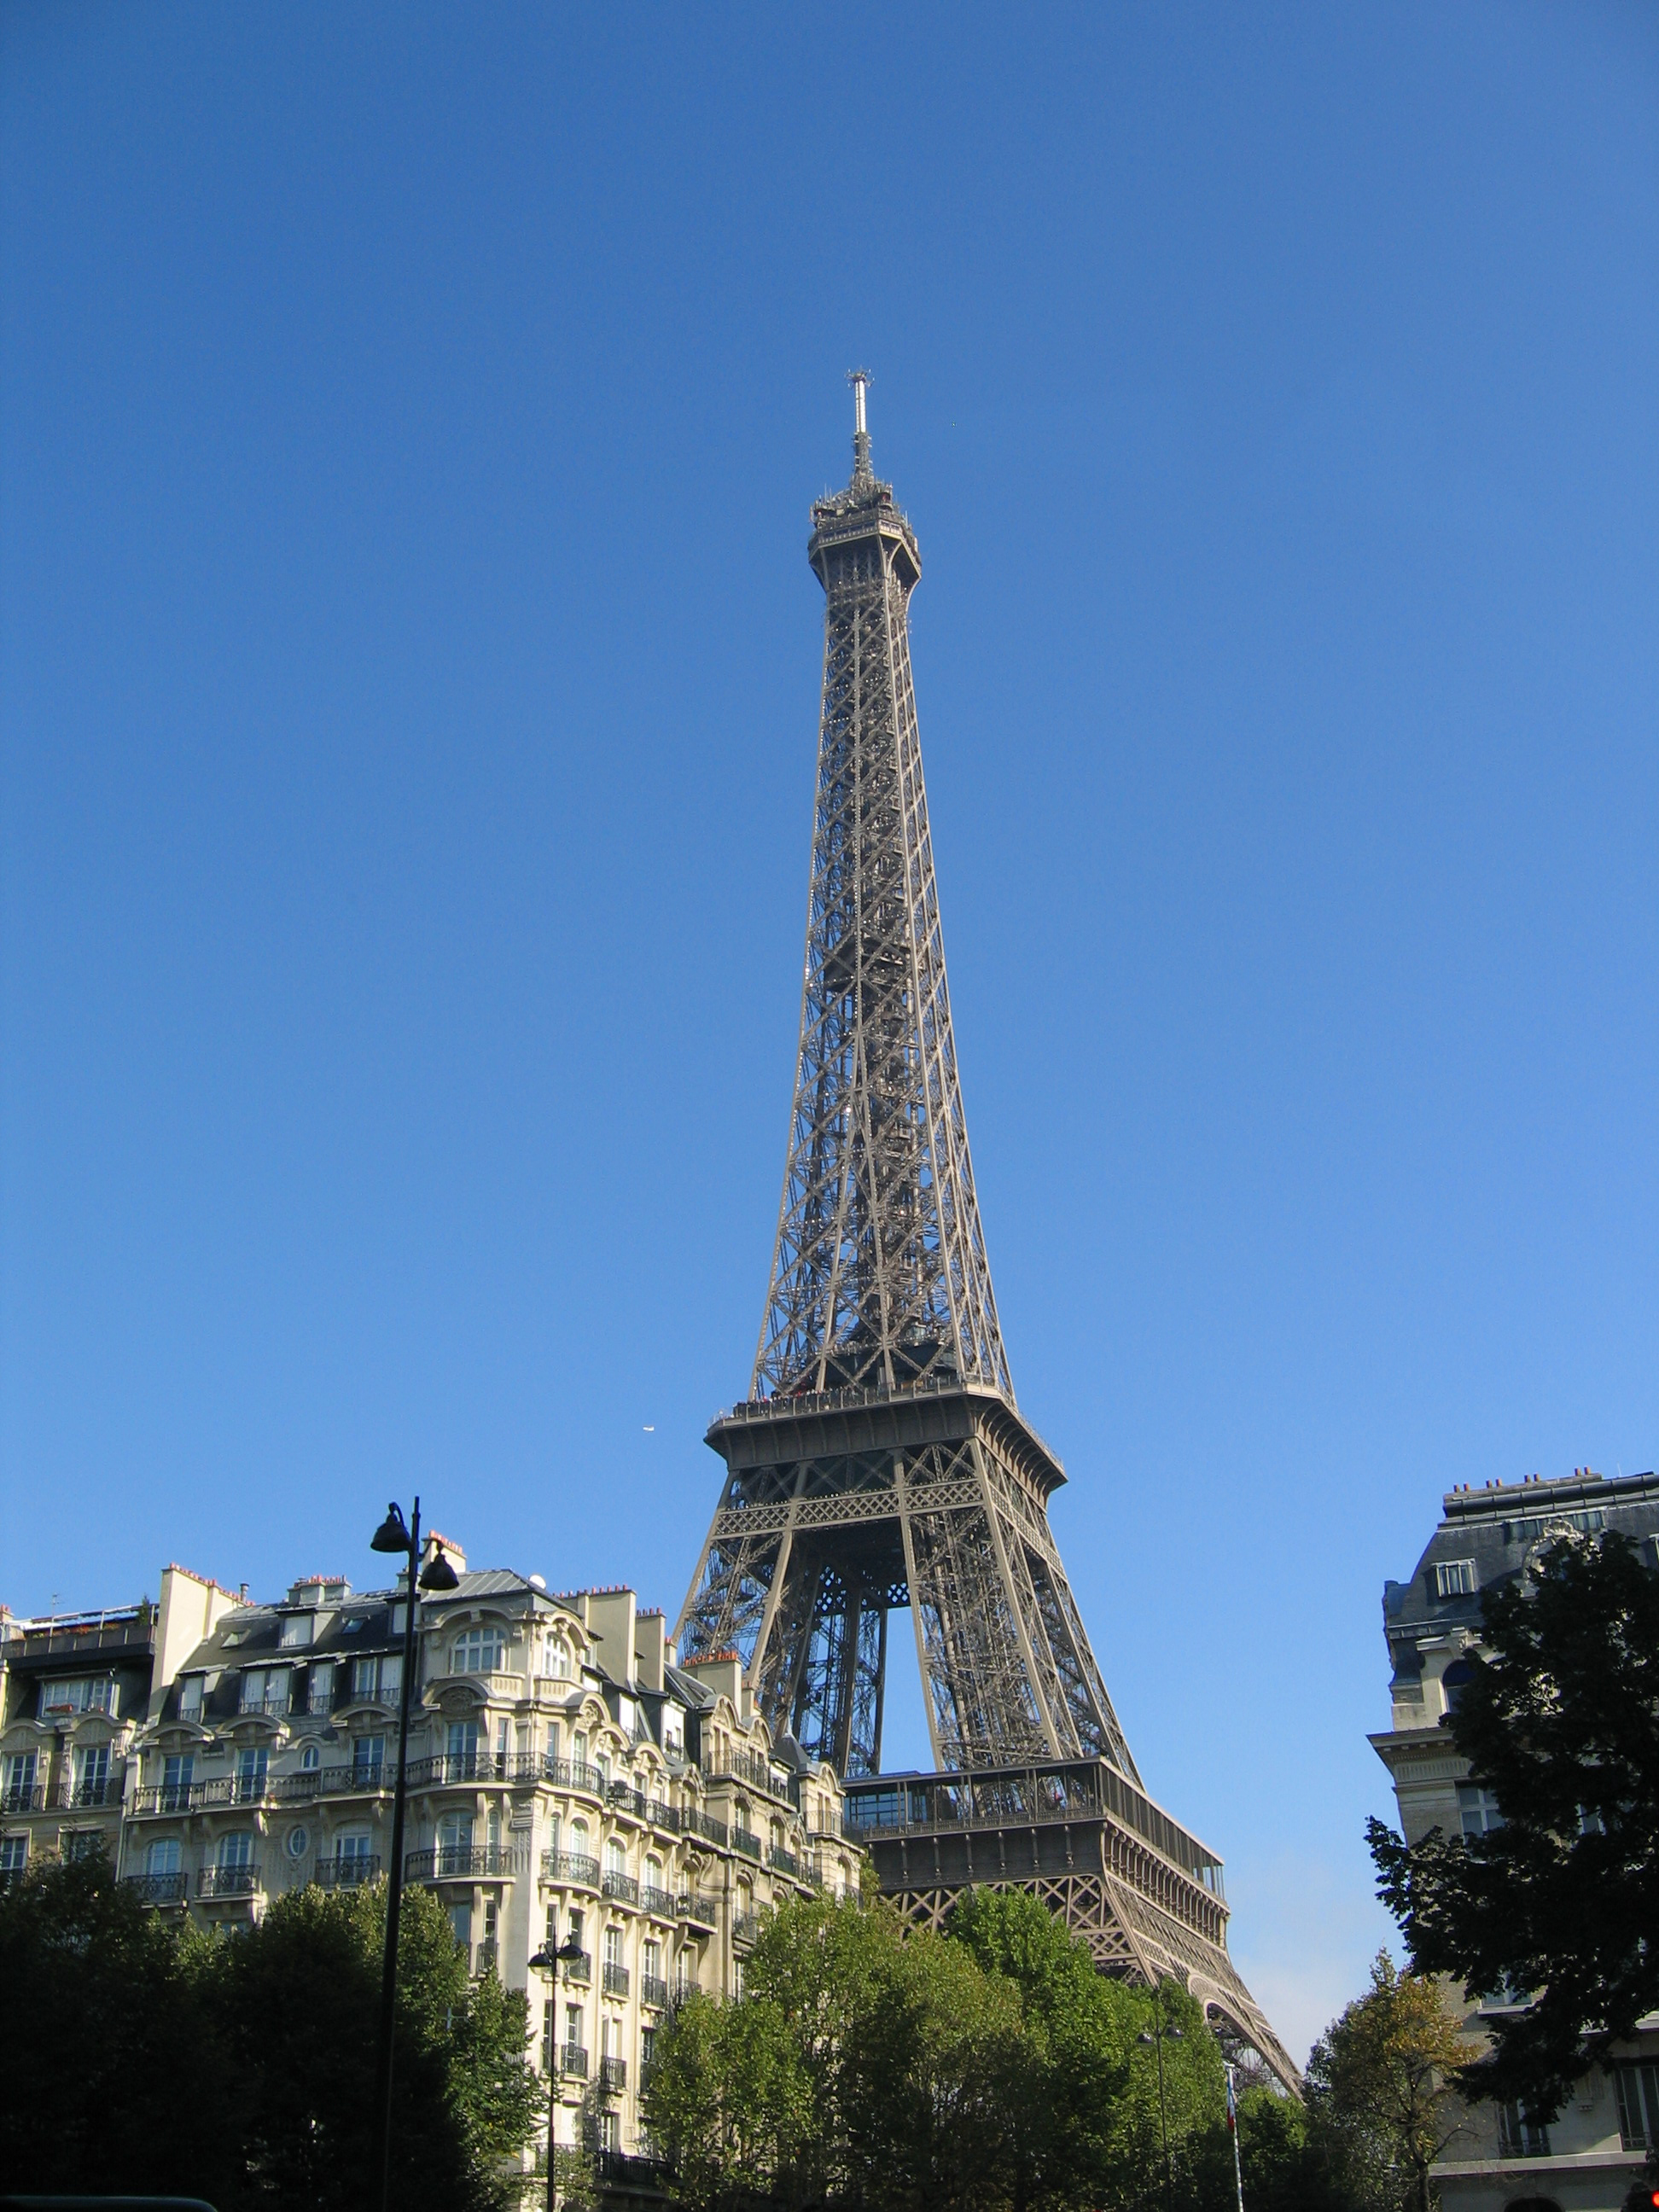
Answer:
(1142, 1891)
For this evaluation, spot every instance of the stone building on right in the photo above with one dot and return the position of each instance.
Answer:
(1587, 2159)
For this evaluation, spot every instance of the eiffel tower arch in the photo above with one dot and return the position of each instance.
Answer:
(880, 1465)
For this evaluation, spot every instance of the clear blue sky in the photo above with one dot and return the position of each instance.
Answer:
(409, 667)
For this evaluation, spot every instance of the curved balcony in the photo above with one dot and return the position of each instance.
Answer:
(461, 1862)
(573, 1867)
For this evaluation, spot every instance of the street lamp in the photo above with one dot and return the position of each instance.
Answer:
(393, 1535)
(548, 1962)
(1160, 2035)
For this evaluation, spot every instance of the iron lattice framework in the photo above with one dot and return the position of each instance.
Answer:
(880, 1462)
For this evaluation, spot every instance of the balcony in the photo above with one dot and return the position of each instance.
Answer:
(447, 1768)
(20, 1798)
(744, 1842)
(459, 1862)
(579, 1969)
(227, 1881)
(653, 1992)
(613, 2075)
(615, 1982)
(702, 1824)
(782, 1862)
(573, 2061)
(180, 1796)
(277, 1707)
(573, 1867)
(745, 1927)
(701, 1911)
(106, 1790)
(621, 1798)
(621, 1886)
(659, 1903)
(157, 1888)
(757, 1773)
(346, 1874)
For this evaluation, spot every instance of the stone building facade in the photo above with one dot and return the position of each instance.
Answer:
(1586, 2160)
(565, 1778)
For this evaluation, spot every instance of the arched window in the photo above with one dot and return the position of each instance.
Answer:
(1455, 1680)
(616, 1858)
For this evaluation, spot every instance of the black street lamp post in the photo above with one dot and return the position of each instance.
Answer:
(1160, 2035)
(548, 1962)
(393, 1535)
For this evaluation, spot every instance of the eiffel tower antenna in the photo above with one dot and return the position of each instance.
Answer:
(880, 1463)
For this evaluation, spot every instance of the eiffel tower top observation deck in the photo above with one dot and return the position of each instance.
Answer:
(880, 1274)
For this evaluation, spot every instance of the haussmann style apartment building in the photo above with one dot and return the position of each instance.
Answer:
(567, 1779)
(1587, 2159)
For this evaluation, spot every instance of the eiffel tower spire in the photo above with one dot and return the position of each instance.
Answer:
(880, 1464)
(879, 1274)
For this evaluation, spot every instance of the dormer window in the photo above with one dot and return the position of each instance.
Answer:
(1455, 1578)
(298, 1629)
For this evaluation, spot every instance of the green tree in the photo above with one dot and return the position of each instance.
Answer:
(109, 2031)
(729, 2103)
(1560, 1723)
(1382, 2097)
(241, 2068)
(297, 2002)
(1078, 2049)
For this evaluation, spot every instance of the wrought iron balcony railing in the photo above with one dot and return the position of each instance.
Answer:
(616, 1979)
(227, 1881)
(744, 1842)
(346, 1874)
(573, 2060)
(20, 1798)
(659, 1903)
(745, 1927)
(613, 2074)
(459, 1862)
(622, 1886)
(702, 1911)
(783, 1861)
(574, 1866)
(704, 1825)
(581, 1968)
(157, 1888)
(653, 1992)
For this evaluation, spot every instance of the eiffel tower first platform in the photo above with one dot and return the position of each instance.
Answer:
(880, 1465)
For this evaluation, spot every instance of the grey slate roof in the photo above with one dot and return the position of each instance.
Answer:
(1495, 1529)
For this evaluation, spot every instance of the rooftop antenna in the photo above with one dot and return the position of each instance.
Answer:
(860, 379)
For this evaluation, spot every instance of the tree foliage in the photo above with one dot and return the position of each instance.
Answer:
(1383, 2103)
(1560, 1723)
(240, 2068)
(992, 2067)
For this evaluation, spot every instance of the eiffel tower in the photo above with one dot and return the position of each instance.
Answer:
(880, 1464)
